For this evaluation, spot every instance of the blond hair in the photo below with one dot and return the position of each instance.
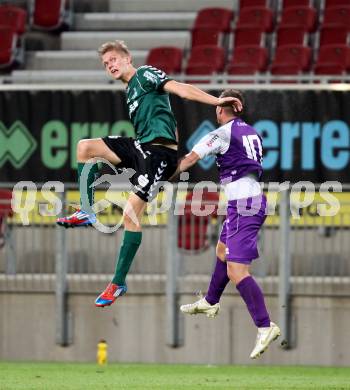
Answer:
(117, 45)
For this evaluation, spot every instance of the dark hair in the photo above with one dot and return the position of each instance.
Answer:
(236, 94)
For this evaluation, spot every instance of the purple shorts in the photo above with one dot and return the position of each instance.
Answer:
(241, 227)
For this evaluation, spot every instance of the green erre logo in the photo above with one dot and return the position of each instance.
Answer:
(16, 144)
(55, 141)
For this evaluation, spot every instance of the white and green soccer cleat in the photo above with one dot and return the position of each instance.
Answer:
(264, 339)
(201, 306)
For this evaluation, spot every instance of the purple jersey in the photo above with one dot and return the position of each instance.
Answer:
(238, 150)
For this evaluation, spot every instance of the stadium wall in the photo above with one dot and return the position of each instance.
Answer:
(135, 329)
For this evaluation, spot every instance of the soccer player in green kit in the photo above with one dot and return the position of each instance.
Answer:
(153, 154)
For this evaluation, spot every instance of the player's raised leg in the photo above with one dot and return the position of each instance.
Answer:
(131, 241)
(253, 297)
(87, 150)
(209, 304)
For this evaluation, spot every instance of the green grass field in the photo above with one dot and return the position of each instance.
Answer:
(49, 376)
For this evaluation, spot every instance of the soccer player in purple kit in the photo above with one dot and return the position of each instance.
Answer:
(238, 150)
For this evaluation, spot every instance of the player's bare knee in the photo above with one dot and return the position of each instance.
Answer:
(83, 148)
(221, 251)
(237, 271)
(131, 222)
(127, 220)
(231, 273)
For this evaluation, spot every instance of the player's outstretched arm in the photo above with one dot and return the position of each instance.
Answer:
(190, 92)
(185, 163)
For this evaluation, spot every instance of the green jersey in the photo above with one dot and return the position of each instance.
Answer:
(149, 106)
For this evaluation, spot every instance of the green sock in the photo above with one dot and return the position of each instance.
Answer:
(86, 202)
(130, 245)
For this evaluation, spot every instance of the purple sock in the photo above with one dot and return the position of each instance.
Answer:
(254, 299)
(218, 282)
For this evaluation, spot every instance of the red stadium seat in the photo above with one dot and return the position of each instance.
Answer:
(242, 70)
(331, 34)
(5, 203)
(290, 36)
(335, 3)
(252, 58)
(285, 69)
(206, 36)
(200, 70)
(258, 17)
(329, 69)
(252, 3)
(333, 59)
(248, 36)
(337, 16)
(8, 46)
(302, 17)
(291, 59)
(192, 233)
(5, 212)
(219, 18)
(295, 3)
(207, 55)
(13, 17)
(205, 60)
(166, 58)
(49, 15)
(192, 228)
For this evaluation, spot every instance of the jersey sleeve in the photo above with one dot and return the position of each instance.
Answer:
(215, 142)
(152, 78)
